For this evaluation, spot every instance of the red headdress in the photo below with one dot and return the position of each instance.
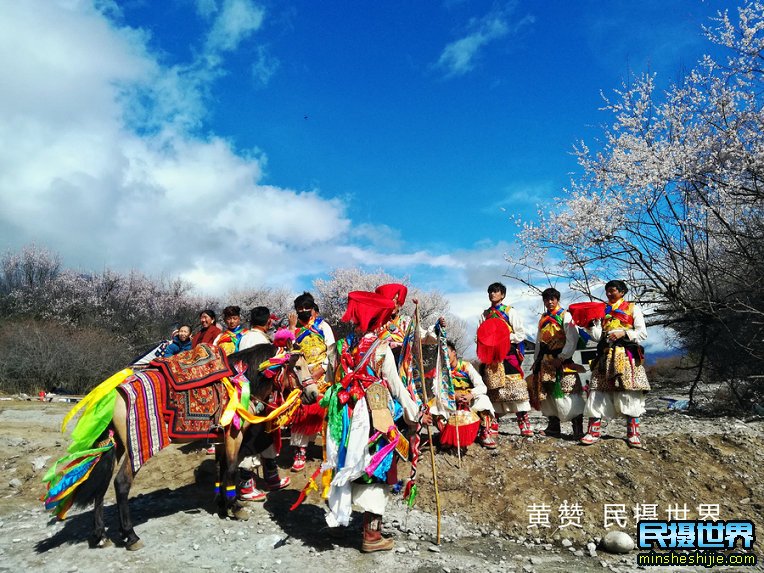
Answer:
(392, 291)
(493, 341)
(368, 310)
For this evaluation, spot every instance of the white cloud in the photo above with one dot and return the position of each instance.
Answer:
(460, 56)
(264, 66)
(234, 22)
(101, 161)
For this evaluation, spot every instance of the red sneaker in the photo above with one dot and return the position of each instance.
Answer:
(279, 483)
(248, 491)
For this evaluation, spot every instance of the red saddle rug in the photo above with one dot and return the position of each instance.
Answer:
(146, 430)
(194, 368)
(194, 414)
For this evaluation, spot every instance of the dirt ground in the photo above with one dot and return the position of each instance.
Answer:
(487, 504)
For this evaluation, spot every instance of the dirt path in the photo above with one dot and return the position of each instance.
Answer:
(688, 461)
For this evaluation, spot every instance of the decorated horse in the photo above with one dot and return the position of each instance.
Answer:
(199, 394)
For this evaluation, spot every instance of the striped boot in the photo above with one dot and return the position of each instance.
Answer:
(632, 433)
(593, 433)
(524, 423)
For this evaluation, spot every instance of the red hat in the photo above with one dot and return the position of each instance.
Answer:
(394, 291)
(493, 341)
(585, 312)
(368, 310)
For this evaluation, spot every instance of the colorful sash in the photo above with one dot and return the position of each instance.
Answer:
(229, 341)
(551, 329)
(460, 377)
(618, 316)
(394, 332)
(312, 341)
(501, 311)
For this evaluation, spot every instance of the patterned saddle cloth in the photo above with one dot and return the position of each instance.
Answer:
(194, 368)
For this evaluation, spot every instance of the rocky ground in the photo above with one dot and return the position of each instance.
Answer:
(484, 503)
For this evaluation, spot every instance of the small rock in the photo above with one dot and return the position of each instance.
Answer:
(578, 553)
(434, 548)
(617, 542)
(745, 501)
(39, 463)
(592, 549)
(567, 542)
(15, 483)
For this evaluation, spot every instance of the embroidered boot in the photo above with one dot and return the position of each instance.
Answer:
(552, 429)
(486, 435)
(524, 423)
(592, 433)
(372, 534)
(247, 489)
(632, 433)
(273, 481)
(300, 456)
(578, 427)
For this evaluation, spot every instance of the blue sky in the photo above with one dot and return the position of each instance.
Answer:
(296, 137)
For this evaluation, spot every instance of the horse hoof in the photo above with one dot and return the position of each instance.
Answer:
(100, 543)
(135, 546)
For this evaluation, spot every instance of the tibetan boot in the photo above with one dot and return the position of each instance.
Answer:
(300, 457)
(592, 433)
(372, 534)
(524, 423)
(578, 427)
(486, 435)
(632, 433)
(552, 429)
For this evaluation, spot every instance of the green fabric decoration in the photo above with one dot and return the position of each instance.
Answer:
(92, 423)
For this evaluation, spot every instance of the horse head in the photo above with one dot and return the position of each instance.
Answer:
(299, 376)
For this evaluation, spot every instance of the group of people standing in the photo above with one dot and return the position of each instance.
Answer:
(366, 406)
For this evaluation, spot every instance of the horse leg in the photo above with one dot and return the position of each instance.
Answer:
(229, 471)
(122, 484)
(99, 538)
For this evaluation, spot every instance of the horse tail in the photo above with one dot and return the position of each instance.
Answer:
(83, 477)
(100, 476)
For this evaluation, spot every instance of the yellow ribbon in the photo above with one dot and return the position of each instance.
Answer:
(235, 407)
(97, 393)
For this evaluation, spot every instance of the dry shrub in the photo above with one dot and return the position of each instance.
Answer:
(44, 355)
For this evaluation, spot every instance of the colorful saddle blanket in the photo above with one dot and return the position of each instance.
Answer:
(144, 393)
(194, 368)
(194, 414)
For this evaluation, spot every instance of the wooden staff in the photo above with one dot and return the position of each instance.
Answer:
(429, 429)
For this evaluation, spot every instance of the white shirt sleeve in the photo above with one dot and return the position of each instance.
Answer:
(398, 391)
(331, 345)
(639, 333)
(478, 386)
(571, 336)
(518, 330)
